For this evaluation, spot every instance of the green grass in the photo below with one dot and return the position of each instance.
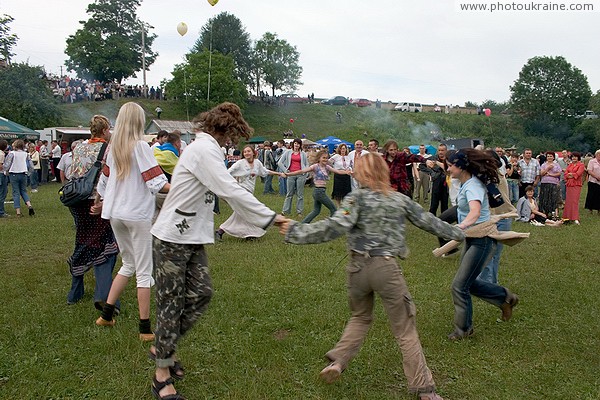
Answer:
(278, 308)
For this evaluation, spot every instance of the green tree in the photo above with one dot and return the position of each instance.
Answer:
(276, 64)
(109, 45)
(225, 34)
(595, 103)
(189, 86)
(551, 87)
(7, 40)
(28, 99)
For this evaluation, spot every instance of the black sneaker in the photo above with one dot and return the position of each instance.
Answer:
(219, 235)
(31, 211)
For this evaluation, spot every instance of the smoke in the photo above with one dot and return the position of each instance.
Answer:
(426, 133)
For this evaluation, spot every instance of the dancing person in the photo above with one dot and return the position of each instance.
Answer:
(293, 160)
(185, 226)
(342, 184)
(469, 165)
(396, 161)
(412, 173)
(373, 217)
(550, 172)
(528, 210)
(167, 153)
(245, 172)
(321, 171)
(130, 179)
(15, 164)
(354, 155)
(95, 243)
(573, 182)
(592, 200)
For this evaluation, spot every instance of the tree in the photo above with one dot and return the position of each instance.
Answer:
(7, 40)
(189, 85)
(28, 100)
(109, 45)
(226, 35)
(552, 87)
(276, 63)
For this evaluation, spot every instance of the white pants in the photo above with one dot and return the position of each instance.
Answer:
(135, 244)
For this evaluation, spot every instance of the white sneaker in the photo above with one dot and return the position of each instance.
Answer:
(576, 222)
(34, 190)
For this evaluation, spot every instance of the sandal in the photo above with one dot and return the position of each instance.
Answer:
(158, 386)
(176, 370)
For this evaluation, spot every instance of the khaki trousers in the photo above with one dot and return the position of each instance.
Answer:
(422, 185)
(382, 275)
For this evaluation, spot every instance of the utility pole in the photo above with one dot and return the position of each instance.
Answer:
(209, 65)
(144, 59)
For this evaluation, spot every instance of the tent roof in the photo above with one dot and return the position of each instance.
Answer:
(169, 126)
(12, 130)
(257, 139)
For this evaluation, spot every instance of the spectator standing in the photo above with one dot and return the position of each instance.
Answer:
(439, 187)
(278, 153)
(3, 178)
(422, 185)
(65, 162)
(564, 162)
(592, 200)
(512, 179)
(34, 156)
(15, 164)
(158, 111)
(529, 169)
(45, 162)
(56, 154)
(573, 182)
(550, 172)
(271, 165)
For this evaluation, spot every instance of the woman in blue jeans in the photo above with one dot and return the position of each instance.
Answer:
(475, 169)
(321, 171)
(293, 160)
(16, 166)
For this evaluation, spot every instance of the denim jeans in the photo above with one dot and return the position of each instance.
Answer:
(103, 273)
(3, 191)
(490, 271)
(475, 255)
(513, 190)
(320, 197)
(268, 185)
(282, 186)
(295, 184)
(19, 188)
(33, 180)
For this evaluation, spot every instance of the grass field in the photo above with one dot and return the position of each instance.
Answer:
(278, 308)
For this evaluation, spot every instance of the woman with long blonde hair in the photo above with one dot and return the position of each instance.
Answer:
(129, 182)
(373, 217)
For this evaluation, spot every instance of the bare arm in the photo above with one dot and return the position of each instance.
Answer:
(472, 216)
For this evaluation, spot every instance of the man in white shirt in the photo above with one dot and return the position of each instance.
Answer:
(354, 155)
(56, 154)
(44, 161)
(65, 162)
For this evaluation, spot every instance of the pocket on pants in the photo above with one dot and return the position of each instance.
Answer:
(411, 309)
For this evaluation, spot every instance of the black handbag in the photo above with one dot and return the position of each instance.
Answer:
(80, 189)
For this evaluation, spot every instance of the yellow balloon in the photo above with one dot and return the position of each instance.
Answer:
(182, 28)
(213, 2)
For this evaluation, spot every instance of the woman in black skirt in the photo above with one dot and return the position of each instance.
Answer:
(592, 201)
(341, 183)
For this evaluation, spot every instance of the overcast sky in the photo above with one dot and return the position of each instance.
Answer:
(425, 51)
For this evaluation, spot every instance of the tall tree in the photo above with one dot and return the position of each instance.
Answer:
(7, 40)
(109, 45)
(226, 34)
(277, 63)
(189, 85)
(29, 100)
(550, 87)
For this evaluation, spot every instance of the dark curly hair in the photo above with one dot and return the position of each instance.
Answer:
(481, 163)
(224, 120)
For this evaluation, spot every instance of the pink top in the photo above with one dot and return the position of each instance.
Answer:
(295, 162)
(553, 168)
(594, 169)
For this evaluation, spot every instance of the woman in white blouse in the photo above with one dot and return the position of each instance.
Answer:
(128, 184)
(342, 184)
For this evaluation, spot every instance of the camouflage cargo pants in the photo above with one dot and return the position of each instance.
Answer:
(183, 291)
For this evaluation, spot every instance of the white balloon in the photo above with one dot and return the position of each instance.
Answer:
(182, 28)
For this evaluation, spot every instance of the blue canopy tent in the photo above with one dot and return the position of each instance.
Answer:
(429, 149)
(331, 142)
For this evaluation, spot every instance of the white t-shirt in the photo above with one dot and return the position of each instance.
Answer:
(132, 198)
(56, 152)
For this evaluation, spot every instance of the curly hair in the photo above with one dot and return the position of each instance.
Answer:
(481, 163)
(224, 120)
(98, 124)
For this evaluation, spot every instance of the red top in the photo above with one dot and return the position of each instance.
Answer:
(575, 168)
(295, 164)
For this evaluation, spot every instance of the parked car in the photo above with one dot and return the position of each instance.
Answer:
(409, 107)
(336, 101)
(590, 115)
(361, 102)
(293, 98)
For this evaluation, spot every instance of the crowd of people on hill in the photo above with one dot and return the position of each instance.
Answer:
(72, 90)
(155, 205)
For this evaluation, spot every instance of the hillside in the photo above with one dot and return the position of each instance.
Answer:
(317, 121)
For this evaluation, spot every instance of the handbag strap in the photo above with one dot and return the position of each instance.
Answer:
(102, 151)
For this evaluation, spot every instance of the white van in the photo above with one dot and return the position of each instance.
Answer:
(409, 107)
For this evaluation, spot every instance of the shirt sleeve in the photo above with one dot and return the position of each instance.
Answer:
(151, 172)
